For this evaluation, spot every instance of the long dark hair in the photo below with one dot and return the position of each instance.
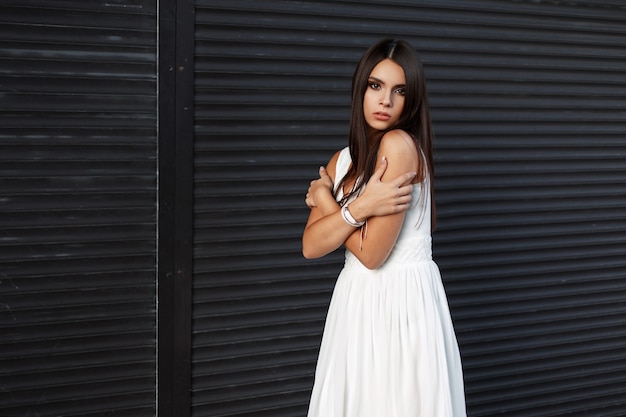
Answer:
(415, 117)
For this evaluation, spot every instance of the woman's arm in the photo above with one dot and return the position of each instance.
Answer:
(383, 231)
(326, 230)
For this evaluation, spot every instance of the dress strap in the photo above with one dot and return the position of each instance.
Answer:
(341, 169)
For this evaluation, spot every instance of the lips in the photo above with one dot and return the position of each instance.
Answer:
(381, 115)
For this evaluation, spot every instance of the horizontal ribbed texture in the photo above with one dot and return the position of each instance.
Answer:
(77, 212)
(528, 110)
(531, 195)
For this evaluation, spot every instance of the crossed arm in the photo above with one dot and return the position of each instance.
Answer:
(383, 203)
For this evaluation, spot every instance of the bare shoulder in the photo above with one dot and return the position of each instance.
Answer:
(400, 149)
(397, 140)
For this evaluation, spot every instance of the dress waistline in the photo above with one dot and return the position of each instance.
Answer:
(417, 249)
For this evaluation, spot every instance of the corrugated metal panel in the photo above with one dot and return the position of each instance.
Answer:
(531, 172)
(78, 212)
(528, 110)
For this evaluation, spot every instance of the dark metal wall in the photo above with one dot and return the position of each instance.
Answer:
(529, 115)
(77, 208)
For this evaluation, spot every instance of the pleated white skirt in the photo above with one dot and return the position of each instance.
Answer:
(389, 348)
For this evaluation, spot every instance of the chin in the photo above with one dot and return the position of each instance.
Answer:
(378, 126)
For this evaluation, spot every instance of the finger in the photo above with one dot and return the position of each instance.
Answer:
(405, 190)
(323, 172)
(404, 200)
(402, 207)
(378, 174)
(404, 179)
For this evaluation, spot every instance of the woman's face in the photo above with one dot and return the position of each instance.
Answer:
(384, 97)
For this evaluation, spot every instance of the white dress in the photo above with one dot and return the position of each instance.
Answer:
(389, 348)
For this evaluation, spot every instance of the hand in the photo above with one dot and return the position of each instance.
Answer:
(324, 185)
(383, 198)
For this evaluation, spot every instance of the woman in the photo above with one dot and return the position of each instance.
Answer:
(389, 348)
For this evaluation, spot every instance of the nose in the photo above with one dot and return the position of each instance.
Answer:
(385, 99)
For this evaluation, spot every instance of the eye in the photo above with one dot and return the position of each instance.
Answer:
(374, 85)
(401, 91)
